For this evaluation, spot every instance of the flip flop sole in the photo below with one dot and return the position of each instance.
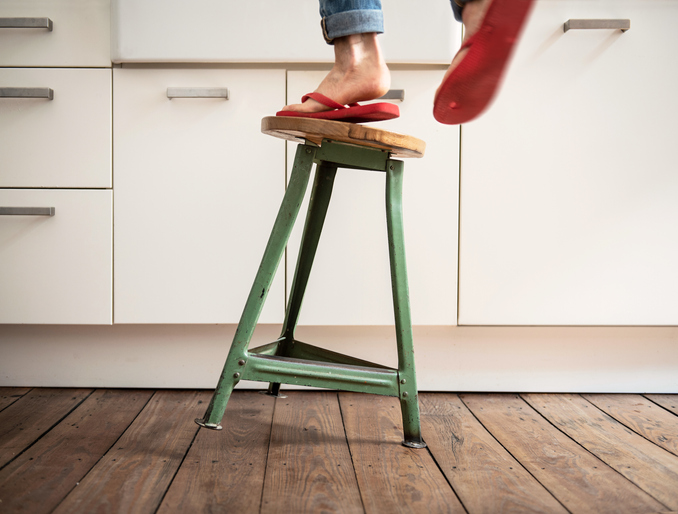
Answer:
(358, 114)
(467, 91)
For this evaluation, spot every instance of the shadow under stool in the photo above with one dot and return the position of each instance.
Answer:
(330, 145)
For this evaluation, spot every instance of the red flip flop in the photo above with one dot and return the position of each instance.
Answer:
(470, 87)
(352, 113)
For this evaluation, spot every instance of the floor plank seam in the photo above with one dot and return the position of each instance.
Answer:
(659, 405)
(106, 452)
(17, 399)
(435, 461)
(630, 428)
(350, 451)
(589, 451)
(176, 471)
(268, 452)
(24, 450)
(511, 454)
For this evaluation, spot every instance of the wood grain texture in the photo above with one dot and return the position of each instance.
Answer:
(642, 416)
(309, 465)
(392, 478)
(43, 475)
(224, 470)
(8, 395)
(315, 465)
(484, 475)
(668, 401)
(651, 468)
(135, 473)
(579, 480)
(299, 129)
(28, 418)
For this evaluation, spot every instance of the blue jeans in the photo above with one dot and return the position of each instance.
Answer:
(345, 17)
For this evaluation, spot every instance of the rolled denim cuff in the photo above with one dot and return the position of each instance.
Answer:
(457, 7)
(358, 21)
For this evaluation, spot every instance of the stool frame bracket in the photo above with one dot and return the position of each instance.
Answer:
(345, 155)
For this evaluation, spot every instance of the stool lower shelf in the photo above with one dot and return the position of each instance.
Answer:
(309, 365)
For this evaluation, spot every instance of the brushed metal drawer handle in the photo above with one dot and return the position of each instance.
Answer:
(197, 92)
(394, 94)
(27, 92)
(26, 23)
(27, 211)
(622, 25)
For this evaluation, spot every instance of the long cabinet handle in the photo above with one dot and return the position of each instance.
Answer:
(26, 23)
(27, 92)
(622, 25)
(197, 92)
(394, 94)
(27, 211)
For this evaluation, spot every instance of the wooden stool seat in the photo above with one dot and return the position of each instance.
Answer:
(327, 145)
(310, 129)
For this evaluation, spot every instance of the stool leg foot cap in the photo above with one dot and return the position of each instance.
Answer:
(211, 426)
(415, 444)
(279, 395)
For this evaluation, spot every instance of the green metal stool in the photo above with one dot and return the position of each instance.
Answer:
(330, 145)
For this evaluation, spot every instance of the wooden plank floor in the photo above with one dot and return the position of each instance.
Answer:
(84, 450)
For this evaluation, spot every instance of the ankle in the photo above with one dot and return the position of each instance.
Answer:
(472, 15)
(356, 50)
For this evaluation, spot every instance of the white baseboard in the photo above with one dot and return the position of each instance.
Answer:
(531, 359)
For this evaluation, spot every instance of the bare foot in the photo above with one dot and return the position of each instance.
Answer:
(472, 16)
(359, 74)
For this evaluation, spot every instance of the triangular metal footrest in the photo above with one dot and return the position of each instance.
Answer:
(316, 367)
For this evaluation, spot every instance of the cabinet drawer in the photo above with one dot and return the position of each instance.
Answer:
(569, 183)
(265, 31)
(197, 188)
(62, 142)
(80, 34)
(56, 269)
(350, 283)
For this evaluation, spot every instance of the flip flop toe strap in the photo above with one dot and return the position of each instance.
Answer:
(328, 102)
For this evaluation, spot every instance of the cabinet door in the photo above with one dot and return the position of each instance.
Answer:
(568, 184)
(56, 269)
(79, 34)
(63, 141)
(268, 31)
(197, 188)
(350, 283)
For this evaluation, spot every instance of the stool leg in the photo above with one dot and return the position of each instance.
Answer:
(317, 211)
(409, 403)
(315, 219)
(237, 357)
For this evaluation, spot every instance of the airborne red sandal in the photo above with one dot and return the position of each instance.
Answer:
(469, 88)
(353, 113)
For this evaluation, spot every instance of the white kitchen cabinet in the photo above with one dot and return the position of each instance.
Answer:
(55, 152)
(197, 188)
(272, 32)
(79, 34)
(64, 141)
(569, 211)
(56, 269)
(350, 283)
